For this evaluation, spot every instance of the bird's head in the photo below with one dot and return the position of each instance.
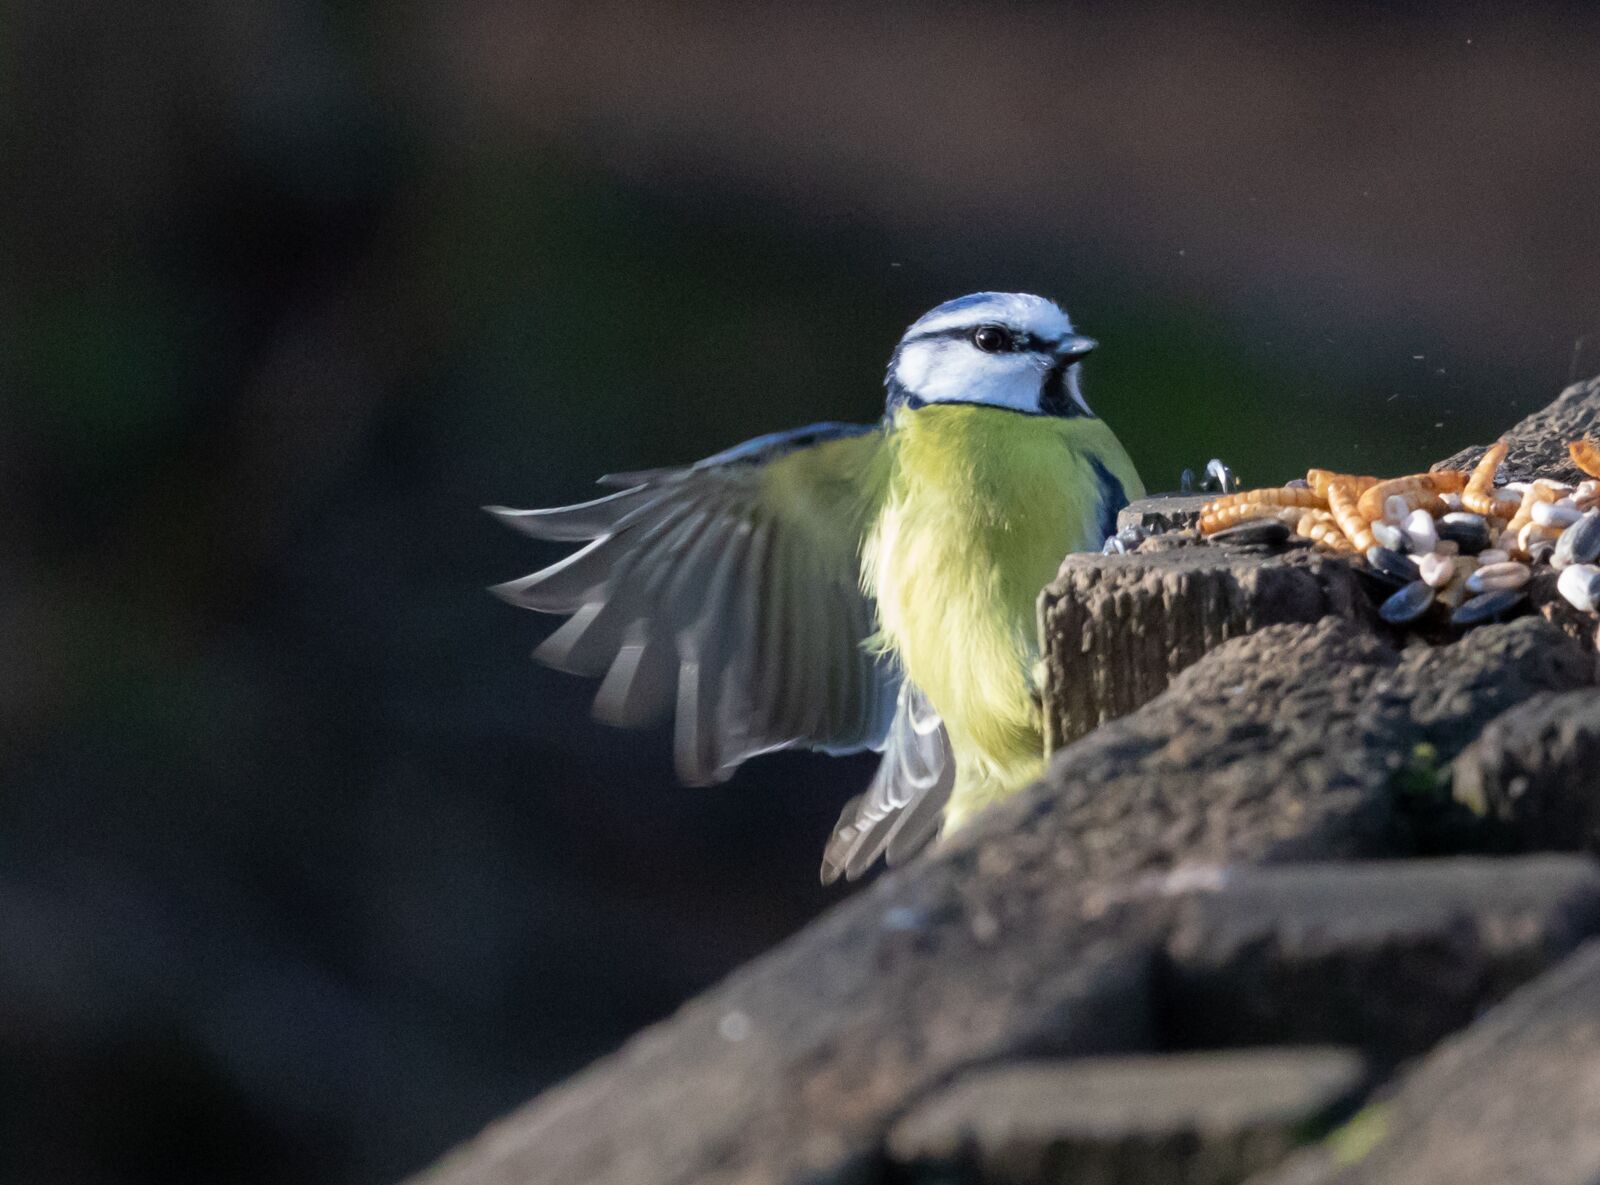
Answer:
(999, 349)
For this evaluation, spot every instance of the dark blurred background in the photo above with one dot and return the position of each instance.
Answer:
(305, 871)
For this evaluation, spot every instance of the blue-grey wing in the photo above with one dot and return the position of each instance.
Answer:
(900, 810)
(727, 593)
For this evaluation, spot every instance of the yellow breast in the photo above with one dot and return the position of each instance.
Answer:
(982, 505)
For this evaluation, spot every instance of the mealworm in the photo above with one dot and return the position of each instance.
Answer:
(1321, 528)
(1448, 481)
(1232, 509)
(1418, 491)
(1585, 455)
(1342, 501)
(1479, 496)
(1537, 492)
(1321, 479)
(1224, 517)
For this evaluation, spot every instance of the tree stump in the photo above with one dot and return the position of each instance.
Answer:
(1119, 627)
(1163, 513)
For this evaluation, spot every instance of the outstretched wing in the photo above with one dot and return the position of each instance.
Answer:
(901, 808)
(729, 590)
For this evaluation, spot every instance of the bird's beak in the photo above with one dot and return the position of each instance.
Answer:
(1073, 348)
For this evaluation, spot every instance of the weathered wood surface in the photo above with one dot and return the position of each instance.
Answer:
(1385, 958)
(1056, 923)
(1515, 1100)
(1120, 626)
(1200, 1119)
(1293, 743)
(1163, 512)
(1027, 934)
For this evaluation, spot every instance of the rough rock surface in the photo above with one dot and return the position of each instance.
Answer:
(1384, 957)
(1296, 742)
(1535, 771)
(791, 1070)
(1025, 935)
(1200, 1119)
(1388, 957)
(1539, 442)
(1515, 1100)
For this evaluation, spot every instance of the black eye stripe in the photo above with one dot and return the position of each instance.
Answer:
(1021, 342)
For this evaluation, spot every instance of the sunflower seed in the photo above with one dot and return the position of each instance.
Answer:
(1488, 606)
(1471, 531)
(1256, 532)
(1455, 592)
(1410, 603)
(1579, 543)
(1392, 563)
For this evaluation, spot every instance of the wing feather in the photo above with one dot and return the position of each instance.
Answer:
(566, 584)
(727, 593)
(773, 622)
(585, 520)
(640, 683)
(701, 737)
(557, 650)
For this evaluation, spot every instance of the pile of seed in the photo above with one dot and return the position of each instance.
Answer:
(1448, 537)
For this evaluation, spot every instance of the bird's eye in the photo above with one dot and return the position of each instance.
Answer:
(991, 339)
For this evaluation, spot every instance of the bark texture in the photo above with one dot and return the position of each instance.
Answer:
(1120, 626)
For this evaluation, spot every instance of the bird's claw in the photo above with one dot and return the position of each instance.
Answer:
(1218, 479)
(1123, 541)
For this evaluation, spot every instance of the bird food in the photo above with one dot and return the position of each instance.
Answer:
(1449, 537)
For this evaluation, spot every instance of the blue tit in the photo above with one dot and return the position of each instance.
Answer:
(846, 587)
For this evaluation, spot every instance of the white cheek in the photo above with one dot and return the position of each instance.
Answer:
(913, 364)
(944, 372)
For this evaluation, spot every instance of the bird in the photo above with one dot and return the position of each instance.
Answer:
(850, 587)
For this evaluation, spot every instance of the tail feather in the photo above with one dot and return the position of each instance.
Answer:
(900, 810)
